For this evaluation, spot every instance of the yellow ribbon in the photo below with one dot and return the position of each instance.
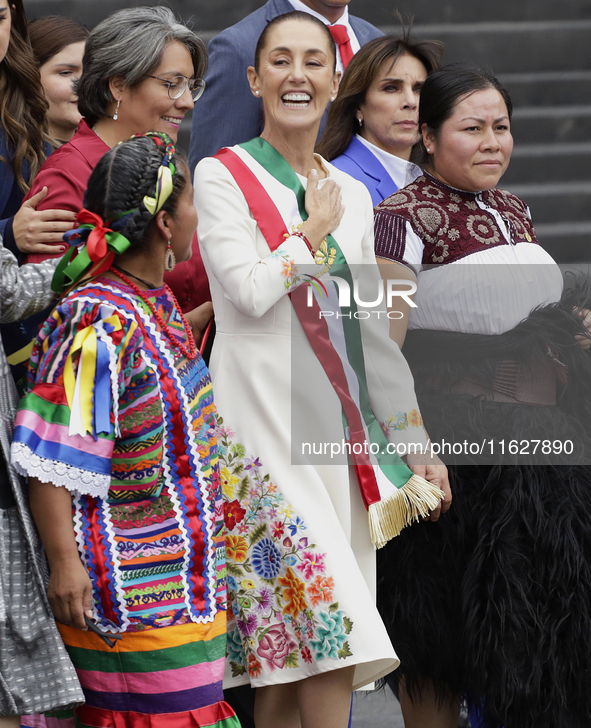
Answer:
(164, 187)
(85, 341)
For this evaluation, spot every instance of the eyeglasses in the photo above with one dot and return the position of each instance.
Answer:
(178, 85)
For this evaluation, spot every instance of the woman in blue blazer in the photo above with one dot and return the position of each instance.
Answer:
(373, 123)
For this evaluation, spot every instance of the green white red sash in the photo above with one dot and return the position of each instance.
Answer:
(393, 495)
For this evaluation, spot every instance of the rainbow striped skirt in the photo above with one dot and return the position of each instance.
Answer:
(169, 677)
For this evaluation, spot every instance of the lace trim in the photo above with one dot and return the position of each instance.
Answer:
(76, 480)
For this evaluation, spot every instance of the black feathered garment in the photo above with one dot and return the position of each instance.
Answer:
(493, 602)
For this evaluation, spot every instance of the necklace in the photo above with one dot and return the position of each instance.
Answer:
(191, 351)
(141, 280)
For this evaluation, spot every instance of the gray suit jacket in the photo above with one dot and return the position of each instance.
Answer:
(228, 113)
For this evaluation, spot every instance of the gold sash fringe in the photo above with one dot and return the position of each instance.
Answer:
(416, 499)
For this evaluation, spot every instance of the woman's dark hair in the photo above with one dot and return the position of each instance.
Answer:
(365, 65)
(294, 15)
(129, 44)
(52, 34)
(444, 89)
(23, 108)
(123, 177)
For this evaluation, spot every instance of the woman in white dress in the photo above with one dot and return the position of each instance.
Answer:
(303, 624)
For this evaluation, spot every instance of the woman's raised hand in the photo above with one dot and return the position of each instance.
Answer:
(33, 229)
(324, 207)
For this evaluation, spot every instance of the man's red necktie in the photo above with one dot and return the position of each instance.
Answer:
(341, 38)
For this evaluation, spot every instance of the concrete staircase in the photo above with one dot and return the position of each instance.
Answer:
(541, 50)
(546, 65)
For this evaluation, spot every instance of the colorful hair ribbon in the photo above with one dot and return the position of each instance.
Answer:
(166, 172)
(101, 245)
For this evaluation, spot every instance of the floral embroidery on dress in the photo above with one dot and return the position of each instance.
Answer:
(402, 421)
(289, 270)
(281, 610)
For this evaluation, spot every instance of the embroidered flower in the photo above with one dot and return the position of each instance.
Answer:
(483, 229)
(277, 530)
(254, 666)
(312, 562)
(234, 648)
(297, 525)
(250, 463)
(320, 590)
(233, 514)
(430, 218)
(229, 482)
(331, 636)
(294, 593)
(266, 559)
(306, 654)
(453, 234)
(414, 418)
(224, 431)
(453, 207)
(247, 584)
(236, 548)
(275, 646)
(265, 599)
(248, 625)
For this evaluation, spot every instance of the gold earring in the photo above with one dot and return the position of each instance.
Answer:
(169, 259)
(116, 114)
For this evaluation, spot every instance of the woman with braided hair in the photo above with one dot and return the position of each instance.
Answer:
(117, 434)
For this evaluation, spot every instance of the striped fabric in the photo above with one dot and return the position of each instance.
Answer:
(159, 672)
(153, 544)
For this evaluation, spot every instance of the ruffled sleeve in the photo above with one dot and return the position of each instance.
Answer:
(68, 422)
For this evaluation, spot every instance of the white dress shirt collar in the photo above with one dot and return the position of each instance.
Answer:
(343, 20)
(401, 171)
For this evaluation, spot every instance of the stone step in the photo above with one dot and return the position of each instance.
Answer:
(566, 242)
(508, 47)
(556, 202)
(548, 88)
(471, 11)
(548, 124)
(549, 162)
(211, 17)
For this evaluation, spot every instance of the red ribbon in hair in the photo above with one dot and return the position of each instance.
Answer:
(96, 244)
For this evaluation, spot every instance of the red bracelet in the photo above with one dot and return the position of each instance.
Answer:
(300, 234)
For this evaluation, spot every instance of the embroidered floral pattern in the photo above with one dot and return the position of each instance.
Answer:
(402, 421)
(289, 270)
(450, 222)
(282, 611)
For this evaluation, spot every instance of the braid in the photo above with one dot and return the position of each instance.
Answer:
(121, 180)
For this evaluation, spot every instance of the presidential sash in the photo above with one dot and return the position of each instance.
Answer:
(393, 495)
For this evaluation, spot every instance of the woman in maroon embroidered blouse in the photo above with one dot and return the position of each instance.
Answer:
(492, 603)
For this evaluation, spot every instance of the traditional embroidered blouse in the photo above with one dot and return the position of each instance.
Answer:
(441, 233)
(130, 431)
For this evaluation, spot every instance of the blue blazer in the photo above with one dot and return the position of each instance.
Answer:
(228, 113)
(358, 161)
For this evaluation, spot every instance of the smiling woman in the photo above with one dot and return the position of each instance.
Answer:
(129, 64)
(303, 627)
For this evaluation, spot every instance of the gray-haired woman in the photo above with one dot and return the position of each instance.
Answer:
(142, 71)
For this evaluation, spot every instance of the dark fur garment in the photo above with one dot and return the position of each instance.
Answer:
(493, 602)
